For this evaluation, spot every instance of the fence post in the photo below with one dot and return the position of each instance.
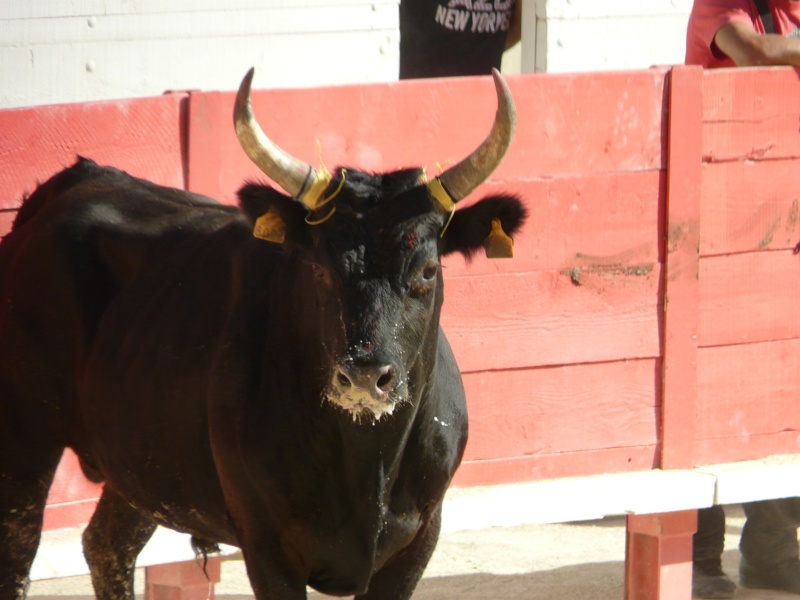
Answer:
(657, 548)
(660, 546)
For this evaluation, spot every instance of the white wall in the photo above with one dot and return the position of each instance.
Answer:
(600, 35)
(54, 51)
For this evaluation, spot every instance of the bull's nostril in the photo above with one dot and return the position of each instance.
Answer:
(344, 380)
(386, 380)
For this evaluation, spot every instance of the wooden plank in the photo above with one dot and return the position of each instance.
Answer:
(774, 477)
(6, 219)
(618, 9)
(749, 297)
(203, 170)
(102, 70)
(681, 269)
(561, 409)
(206, 25)
(548, 466)
(72, 497)
(589, 221)
(748, 390)
(562, 499)
(750, 114)
(746, 447)
(581, 315)
(70, 484)
(68, 514)
(748, 206)
(142, 137)
(567, 124)
(38, 10)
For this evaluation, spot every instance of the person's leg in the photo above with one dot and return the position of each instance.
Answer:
(708, 578)
(769, 545)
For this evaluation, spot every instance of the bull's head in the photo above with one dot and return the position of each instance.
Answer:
(371, 246)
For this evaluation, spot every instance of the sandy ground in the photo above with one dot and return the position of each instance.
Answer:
(581, 561)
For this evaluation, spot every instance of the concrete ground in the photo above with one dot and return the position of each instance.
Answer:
(583, 561)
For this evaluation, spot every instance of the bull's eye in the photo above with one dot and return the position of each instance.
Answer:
(321, 274)
(318, 270)
(429, 273)
(425, 278)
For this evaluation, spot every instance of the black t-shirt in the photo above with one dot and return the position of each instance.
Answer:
(441, 38)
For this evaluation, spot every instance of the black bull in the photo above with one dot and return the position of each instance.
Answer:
(294, 397)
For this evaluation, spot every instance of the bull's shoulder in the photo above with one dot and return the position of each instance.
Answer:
(89, 196)
(111, 222)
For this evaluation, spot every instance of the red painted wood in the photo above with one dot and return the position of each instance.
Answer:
(68, 514)
(584, 293)
(142, 136)
(751, 115)
(592, 220)
(70, 484)
(681, 269)
(659, 548)
(746, 447)
(748, 390)
(556, 464)
(749, 206)
(6, 219)
(72, 497)
(567, 124)
(561, 409)
(750, 297)
(588, 314)
(203, 133)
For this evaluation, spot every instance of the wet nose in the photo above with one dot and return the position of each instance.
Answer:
(376, 379)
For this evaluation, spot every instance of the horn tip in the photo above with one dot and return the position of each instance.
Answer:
(242, 105)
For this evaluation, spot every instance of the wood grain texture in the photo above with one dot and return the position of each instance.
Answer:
(749, 206)
(583, 221)
(748, 390)
(591, 314)
(550, 466)
(751, 297)
(426, 123)
(751, 115)
(562, 409)
(680, 320)
(143, 137)
(746, 447)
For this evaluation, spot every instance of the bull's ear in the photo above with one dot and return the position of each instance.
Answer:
(275, 217)
(484, 225)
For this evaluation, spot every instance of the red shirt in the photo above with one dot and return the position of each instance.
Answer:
(708, 16)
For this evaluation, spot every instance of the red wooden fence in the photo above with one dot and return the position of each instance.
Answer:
(649, 316)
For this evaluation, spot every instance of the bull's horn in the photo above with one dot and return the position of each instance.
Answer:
(284, 169)
(460, 180)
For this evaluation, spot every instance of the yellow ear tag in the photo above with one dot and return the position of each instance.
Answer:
(270, 227)
(497, 244)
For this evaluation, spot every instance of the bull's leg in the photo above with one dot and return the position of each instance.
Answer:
(399, 577)
(113, 539)
(26, 473)
(29, 455)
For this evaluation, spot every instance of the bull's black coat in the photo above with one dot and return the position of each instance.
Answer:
(203, 374)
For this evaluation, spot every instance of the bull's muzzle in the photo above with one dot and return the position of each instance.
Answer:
(366, 389)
